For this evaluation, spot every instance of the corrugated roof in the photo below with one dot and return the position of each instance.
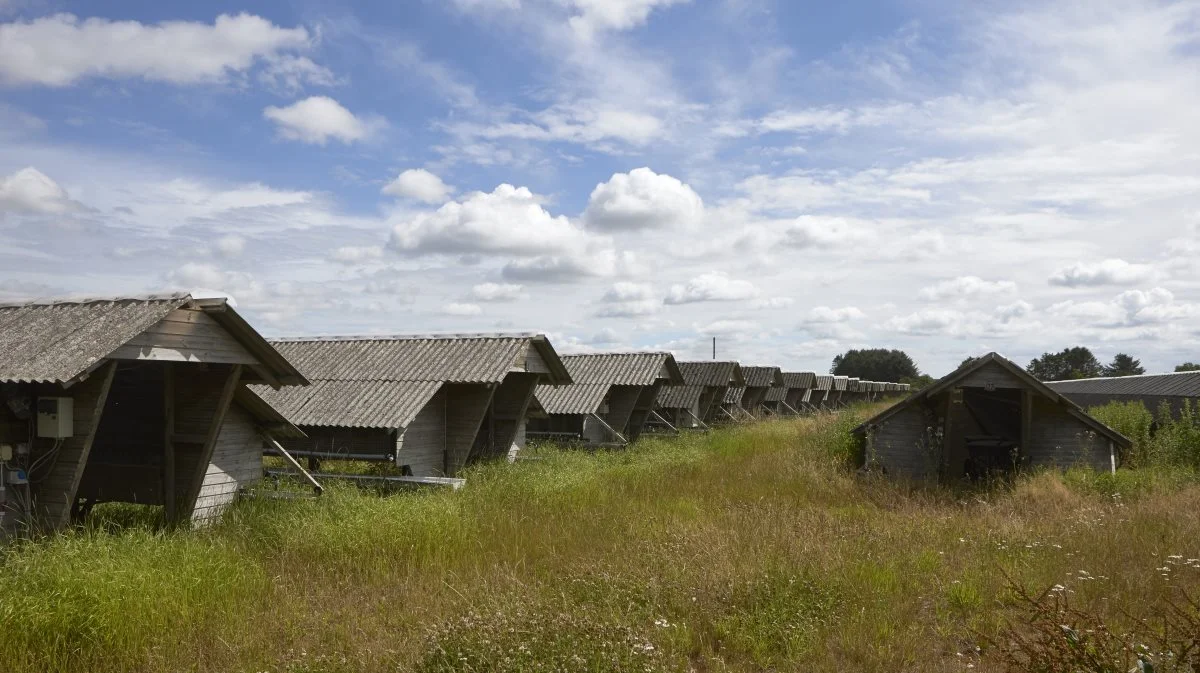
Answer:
(776, 394)
(1179, 384)
(55, 342)
(627, 369)
(679, 397)
(733, 394)
(712, 373)
(799, 379)
(825, 383)
(465, 359)
(841, 383)
(577, 398)
(360, 404)
(762, 377)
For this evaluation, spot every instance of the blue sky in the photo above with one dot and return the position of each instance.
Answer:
(792, 178)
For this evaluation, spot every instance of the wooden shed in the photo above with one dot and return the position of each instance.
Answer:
(139, 400)
(610, 400)
(822, 393)
(759, 380)
(697, 402)
(791, 397)
(1152, 390)
(988, 417)
(429, 404)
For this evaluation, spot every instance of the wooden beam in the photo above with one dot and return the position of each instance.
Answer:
(169, 500)
(86, 449)
(317, 488)
(1026, 420)
(232, 381)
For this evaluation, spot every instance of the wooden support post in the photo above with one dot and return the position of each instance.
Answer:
(168, 471)
(1026, 421)
(664, 421)
(316, 485)
(232, 381)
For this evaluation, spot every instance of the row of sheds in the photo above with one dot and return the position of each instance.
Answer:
(172, 401)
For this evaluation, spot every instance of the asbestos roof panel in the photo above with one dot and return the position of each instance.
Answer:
(55, 342)
(679, 397)
(733, 394)
(1182, 384)
(776, 394)
(824, 383)
(577, 398)
(762, 377)
(359, 404)
(441, 360)
(712, 373)
(627, 369)
(799, 379)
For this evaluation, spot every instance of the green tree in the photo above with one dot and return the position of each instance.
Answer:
(876, 364)
(966, 362)
(1124, 365)
(1188, 367)
(1071, 363)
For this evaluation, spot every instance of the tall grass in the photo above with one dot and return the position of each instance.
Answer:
(742, 550)
(1161, 438)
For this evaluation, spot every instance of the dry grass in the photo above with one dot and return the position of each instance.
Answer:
(748, 549)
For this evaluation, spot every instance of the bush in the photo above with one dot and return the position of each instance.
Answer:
(1133, 420)
(1160, 439)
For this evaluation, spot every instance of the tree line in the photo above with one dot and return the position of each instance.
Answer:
(1077, 362)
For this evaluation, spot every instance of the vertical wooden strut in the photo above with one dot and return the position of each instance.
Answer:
(168, 471)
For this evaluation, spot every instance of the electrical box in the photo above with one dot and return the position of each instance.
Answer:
(6, 453)
(16, 477)
(55, 417)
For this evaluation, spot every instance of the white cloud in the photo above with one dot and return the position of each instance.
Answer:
(823, 232)
(1107, 272)
(356, 254)
(31, 191)
(825, 314)
(966, 287)
(208, 280)
(462, 309)
(592, 16)
(319, 119)
(928, 322)
(727, 327)
(498, 292)
(231, 246)
(61, 49)
(626, 300)
(1128, 309)
(772, 302)
(642, 199)
(509, 220)
(420, 185)
(585, 122)
(596, 261)
(712, 286)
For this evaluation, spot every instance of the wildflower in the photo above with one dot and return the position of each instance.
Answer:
(1058, 588)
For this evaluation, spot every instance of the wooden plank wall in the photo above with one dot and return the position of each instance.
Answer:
(622, 400)
(186, 335)
(641, 411)
(55, 493)
(236, 462)
(466, 407)
(509, 404)
(422, 445)
(1058, 439)
(200, 401)
(898, 445)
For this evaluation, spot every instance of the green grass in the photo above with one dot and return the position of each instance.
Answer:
(746, 549)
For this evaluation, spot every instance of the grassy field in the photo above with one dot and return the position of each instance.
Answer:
(743, 550)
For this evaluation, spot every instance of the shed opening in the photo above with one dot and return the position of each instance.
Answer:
(982, 430)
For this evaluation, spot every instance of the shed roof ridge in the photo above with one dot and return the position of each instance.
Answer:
(1118, 378)
(56, 301)
(425, 336)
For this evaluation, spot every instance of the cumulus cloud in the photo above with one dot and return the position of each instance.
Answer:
(462, 309)
(509, 220)
(825, 314)
(772, 302)
(210, 281)
(823, 232)
(594, 262)
(318, 119)
(727, 327)
(642, 199)
(966, 287)
(592, 16)
(230, 246)
(353, 254)
(61, 49)
(1128, 309)
(31, 191)
(498, 292)
(928, 322)
(420, 185)
(1107, 272)
(626, 300)
(712, 286)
